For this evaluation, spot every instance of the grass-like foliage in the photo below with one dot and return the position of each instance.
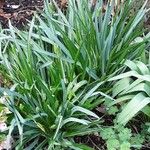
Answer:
(58, 66)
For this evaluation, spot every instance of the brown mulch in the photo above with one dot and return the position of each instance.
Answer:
(93, 141)
(18, 13)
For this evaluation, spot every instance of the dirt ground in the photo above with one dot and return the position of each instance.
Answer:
(18, 12)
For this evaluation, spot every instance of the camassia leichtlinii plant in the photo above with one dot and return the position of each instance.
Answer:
(58, 65)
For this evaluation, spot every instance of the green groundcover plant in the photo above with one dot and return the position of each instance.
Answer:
(121, 138)
(59, 69)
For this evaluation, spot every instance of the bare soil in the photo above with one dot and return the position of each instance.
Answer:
(18, 13)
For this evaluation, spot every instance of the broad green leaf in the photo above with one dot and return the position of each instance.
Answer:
(133, 107)
(121, 86)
